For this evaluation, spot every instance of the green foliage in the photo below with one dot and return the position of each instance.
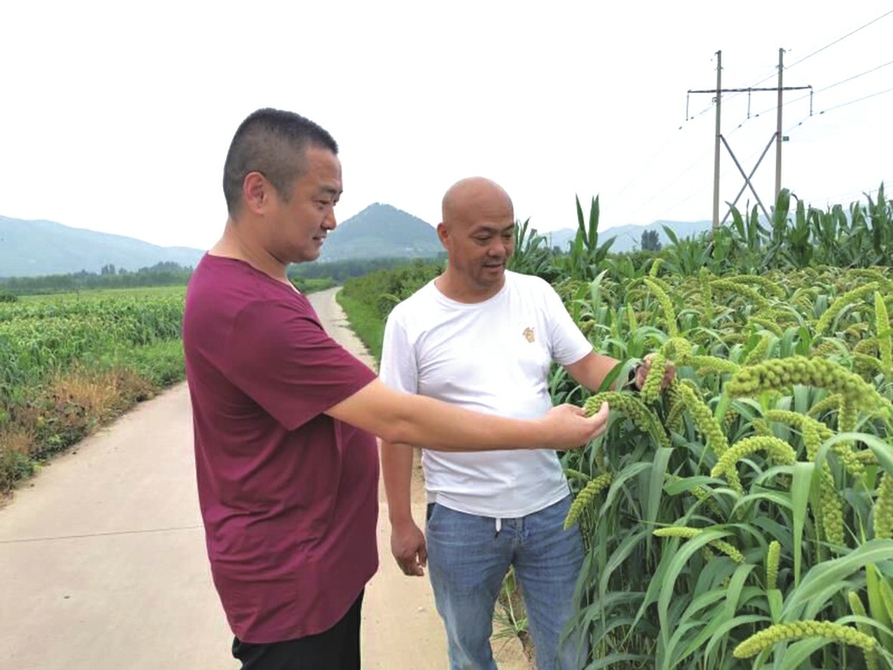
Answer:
(650, 241)
(160, 274)
(68, 362)
(796, 518)
(368, 300)
(785, 478)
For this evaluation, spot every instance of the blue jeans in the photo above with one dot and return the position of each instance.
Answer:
(467, 561)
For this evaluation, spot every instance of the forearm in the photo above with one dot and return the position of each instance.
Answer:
(413, 419)
(396, 472)
(591, 371)
(440, 426)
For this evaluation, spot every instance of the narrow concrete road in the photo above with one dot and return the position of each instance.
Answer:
(103, 563)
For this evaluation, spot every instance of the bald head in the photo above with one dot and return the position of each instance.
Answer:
(473, 198)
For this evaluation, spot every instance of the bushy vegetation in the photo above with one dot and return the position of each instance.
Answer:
(368, 300)
(161, 274)
(68, 363)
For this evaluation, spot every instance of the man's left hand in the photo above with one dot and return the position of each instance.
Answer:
(643, 370)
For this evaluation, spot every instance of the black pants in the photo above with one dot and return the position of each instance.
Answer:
(335, 649)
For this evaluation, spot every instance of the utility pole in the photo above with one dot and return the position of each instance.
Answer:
(776, 137)
(718, 136)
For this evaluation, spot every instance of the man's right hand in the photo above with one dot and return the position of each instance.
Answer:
(570, 428)
(409, 548)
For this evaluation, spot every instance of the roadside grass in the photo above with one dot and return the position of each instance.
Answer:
(71, 405)
(365, 322)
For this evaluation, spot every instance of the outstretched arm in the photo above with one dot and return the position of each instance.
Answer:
(413, 419)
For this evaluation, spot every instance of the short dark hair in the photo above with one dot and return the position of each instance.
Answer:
(272, 142)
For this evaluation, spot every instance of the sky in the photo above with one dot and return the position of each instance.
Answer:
(116, 116)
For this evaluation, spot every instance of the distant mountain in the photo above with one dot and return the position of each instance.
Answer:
(629, 236)
(32, 248)
(381, 231)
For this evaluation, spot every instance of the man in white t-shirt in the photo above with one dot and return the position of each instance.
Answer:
(484, 338)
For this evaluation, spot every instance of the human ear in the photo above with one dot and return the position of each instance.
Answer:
(255, 192)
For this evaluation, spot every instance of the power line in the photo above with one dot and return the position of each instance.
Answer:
(852, 102)
(856, 76)
(821, 90)
(839, 39)
(844, 104)
(830, 44)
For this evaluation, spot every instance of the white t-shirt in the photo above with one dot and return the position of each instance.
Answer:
(492, 357)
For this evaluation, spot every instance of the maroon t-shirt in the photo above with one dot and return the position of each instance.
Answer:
(289, 496)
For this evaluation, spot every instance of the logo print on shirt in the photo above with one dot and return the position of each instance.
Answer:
(528, 334)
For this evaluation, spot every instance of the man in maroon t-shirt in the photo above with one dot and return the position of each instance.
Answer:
(285, 419)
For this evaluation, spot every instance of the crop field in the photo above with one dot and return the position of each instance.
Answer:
(69, 362)
(743, 518)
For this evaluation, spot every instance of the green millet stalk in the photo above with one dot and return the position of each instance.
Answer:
(677, 531)
(849, 298)
(749, 294)
(802, 299)
(712, 364)
(866, 457)
(688, 533)
(585, 497)
(883, 508)
(873, 275)
(761, 427)
(779, 374)
(847, 417)
(799, 421)
(766, 324)
(576, 474)
(728, 550)
(728, 419)
(758, 353)
(701, 494)
(778, 450)
(666, 304)
(829, 515)
(857, 608)
(798, 630)
(655, 267)
(826, 348)
(677, 349)
(631, 318)
(854, 331)
(828, 402)
(868, 364)
(704, 420)
(832, 509)
(705, 278)
(767, 285)
(650, 392)
(665, 287)
(631, 407)
(869, 346)
(674, 421)
(773, 557)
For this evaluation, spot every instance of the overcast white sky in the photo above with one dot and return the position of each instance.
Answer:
(116, 116)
